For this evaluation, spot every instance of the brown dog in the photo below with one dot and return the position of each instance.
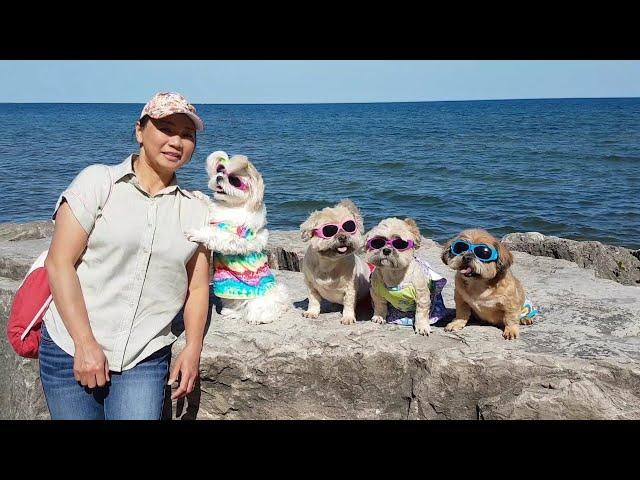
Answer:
(488, 288)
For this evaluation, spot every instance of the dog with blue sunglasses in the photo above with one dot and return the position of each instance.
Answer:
(484, 283)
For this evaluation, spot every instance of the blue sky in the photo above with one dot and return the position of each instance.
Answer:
(297, 81)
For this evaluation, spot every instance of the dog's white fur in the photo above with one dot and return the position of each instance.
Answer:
(239, 208)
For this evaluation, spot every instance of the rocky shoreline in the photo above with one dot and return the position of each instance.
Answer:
(579, 360)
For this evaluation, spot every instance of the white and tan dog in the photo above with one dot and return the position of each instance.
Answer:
(403, 287)
(237, 235)
(331, 269)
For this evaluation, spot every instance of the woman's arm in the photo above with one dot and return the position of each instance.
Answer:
(196, 308)
(90, 366)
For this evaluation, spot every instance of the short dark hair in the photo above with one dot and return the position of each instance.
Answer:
(143, 122)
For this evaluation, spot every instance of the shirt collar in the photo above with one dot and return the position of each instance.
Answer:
(125, 170)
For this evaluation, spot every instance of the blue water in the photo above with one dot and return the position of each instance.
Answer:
(561, 167)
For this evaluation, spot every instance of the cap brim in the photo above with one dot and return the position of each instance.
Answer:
(196, 120)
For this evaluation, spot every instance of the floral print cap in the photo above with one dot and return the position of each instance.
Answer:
(164, 104)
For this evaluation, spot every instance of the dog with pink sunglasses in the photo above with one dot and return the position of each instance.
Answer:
(330, 266)
(237, 235)
(404, 288)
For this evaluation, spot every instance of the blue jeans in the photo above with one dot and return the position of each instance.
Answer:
(134, 394)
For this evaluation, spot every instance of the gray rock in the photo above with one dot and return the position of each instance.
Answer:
(285, 251)
(17, 256)
(26, 231)
(615, 263)
(580, 359)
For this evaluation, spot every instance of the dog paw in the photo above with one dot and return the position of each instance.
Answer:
(200, 196)
(193, 236)
(526, 321)
(348, 319)
(511, 332)
(229, 314)
(378, 319)
(455, 325)
(423, 329)
(259, 321)
(310, 314)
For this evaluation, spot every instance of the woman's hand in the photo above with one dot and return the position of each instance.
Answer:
(90, 365)
(196, 308)
(188, 368)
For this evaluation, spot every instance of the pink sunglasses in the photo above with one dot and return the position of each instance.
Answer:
(328, 230)
(376, 243)
(234, 180)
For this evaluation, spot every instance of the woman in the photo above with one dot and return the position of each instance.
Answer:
(120, 269)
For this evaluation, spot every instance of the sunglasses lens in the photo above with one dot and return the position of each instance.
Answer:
(377, 243)
(349, 226)
(220, 168)
(329, 230)
(459, 247)
(483, 252)
(399, 244)
(235, 181)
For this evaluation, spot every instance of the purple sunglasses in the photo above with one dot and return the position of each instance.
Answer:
(328, 230)
(376, 243)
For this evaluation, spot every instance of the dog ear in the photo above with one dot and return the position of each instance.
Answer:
(256, 190)
(415, 231)
(446, 255)
(349, 205)
(505, 257)
(368, 235)
(362, 249)
(213, 159)
(308, 226)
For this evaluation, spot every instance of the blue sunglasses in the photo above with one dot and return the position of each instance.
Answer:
(485, 253)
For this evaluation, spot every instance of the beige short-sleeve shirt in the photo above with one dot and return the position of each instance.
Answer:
(133, 272)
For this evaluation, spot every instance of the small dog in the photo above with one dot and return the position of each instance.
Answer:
(237, 235)
(484, 283)
(331, 269)
(403, 287)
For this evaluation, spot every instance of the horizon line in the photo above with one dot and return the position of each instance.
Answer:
(335, 103)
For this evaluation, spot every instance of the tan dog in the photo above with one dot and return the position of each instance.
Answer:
(331, 269)
(489, 289)
(395, 267)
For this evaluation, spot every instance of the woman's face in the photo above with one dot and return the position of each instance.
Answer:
(167, 143)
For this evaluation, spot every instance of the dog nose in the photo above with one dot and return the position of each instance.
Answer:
(342, 237)
(467, 256)
(219, 178)
(386, 251)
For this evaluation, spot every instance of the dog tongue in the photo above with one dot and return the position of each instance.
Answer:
(341, 249)
(466, 271)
